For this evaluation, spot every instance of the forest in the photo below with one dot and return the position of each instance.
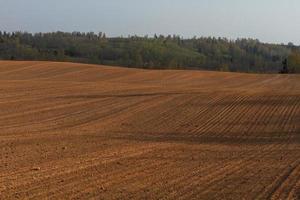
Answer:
(151, 52)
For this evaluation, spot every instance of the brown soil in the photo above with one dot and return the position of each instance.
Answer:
(74, 131)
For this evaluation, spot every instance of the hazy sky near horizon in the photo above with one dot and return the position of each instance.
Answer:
(267, 20)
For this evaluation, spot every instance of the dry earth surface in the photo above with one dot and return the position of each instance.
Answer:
(74, 131)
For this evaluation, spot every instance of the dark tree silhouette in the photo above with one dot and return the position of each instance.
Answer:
(284, 69)
(157, 52)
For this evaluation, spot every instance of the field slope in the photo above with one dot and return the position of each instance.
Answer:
(74, 131)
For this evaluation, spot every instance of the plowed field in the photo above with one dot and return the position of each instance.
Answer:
(75, 131)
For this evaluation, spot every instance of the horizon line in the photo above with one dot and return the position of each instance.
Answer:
(152, 35)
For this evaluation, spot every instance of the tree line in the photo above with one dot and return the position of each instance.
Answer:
(156, 52)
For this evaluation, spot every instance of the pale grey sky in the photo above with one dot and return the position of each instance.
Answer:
(268, 20)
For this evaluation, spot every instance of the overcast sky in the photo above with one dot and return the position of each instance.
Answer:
(268, 20)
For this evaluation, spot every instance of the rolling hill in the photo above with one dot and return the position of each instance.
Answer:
(86, 131)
